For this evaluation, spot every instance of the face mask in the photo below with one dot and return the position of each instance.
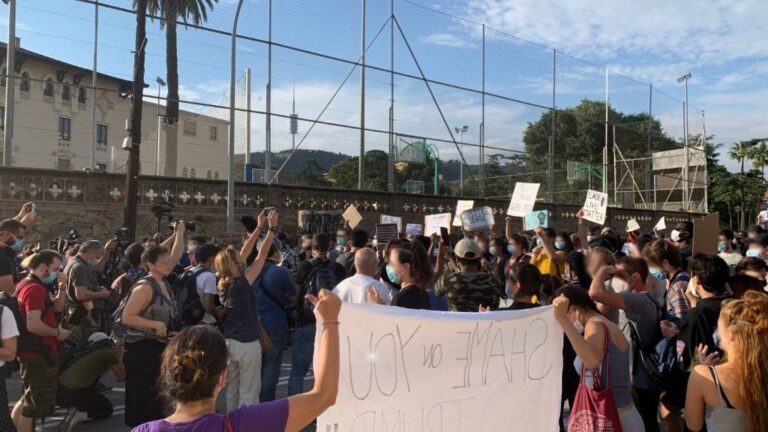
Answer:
(657, 273)
(538, 242)
(17, 245)
(511, 249)
(51, 278)
(392, 276)
(93, 262)
(753, 253)
(716, 338)
(560, 245)
(675, 235)
(341, 240)
(591, 238)
(493, 250)
(721, 247)
(578, 326)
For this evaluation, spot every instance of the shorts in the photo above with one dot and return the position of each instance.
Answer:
(40, 381)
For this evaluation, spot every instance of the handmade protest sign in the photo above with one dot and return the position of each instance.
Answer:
(661, 225)
(523, 199)
(386, 232)
(538, 218)
(406, 370)
(413, 229)
(477, 219)
(595, 207)
(352, 216)
(461, 207)
(386, 219)
(705, 231)
(433, 223)
(633, 225)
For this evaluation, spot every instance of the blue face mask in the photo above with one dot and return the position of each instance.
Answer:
(93, 262)
(341, 240)
(753, 253)
(657, 273)
(721, 247)
(511, 249)
(392, 276)
(560, 245)
(17, 245)
(591, 238)
(51, 278)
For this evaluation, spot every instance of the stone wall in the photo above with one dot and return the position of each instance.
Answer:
(92, 203)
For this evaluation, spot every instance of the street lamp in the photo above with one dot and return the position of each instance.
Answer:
(685, 79)
(461, 131)
(160, 85)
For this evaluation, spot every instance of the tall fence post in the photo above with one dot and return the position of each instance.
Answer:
(391, 153)
(553, 125)
(231, 149)
(268, 129)
(10, 72)
(361, 161)
(482, 128)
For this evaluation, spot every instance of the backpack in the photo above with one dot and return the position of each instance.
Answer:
(323, 276)
(10, 366)
(75, 311)
(27, 341)
(120, 330)
(121, 287)
(69, 356)
(645, 352)
(191, 309)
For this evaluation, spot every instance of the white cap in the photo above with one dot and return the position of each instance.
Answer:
(97, 337)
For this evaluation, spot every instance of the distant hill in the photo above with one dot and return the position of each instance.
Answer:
(324, 159)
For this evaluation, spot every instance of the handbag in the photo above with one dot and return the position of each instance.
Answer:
(594, 409)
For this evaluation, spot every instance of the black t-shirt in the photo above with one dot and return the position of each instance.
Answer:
(347, 260)
(8, 263)
(241, 322)
(700, 323)
(411, 297)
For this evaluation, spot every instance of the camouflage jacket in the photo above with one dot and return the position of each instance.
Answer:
(467, 291)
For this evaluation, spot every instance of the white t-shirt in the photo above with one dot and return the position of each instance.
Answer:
(8, 328)
(762, 216)
(354, 289)
(206, 284)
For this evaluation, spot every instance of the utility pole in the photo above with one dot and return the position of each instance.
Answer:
(94, 126)
(10, 72)
(686, 186)
(268, 117)
(137, 96)
(160, 85)
(231, 146)
(361, 162)
(248, 174)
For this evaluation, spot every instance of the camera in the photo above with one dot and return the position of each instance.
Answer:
(123, 237)
(188, 225)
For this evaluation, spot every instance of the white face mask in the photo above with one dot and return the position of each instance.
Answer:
(578, 326)
(675, 235)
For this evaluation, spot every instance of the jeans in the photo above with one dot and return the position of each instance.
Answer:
(87, 400)
(271, 365)
(244, 373)
(647, 403)
(303, 351)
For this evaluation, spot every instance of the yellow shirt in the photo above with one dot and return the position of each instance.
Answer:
(546, 265)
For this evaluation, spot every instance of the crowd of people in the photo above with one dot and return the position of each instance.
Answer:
(677, 340)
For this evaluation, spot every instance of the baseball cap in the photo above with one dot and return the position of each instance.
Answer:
(97, 337)
(761, 239)
(467, 249)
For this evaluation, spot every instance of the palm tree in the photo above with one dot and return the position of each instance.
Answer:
(196, 12)
(740, 152)
(759, 156)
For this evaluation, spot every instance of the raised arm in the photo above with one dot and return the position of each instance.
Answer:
(583, 232)
(546, 243)
(589, 347)
(252, 272)
(598, 292)
(508, 227)
(168, 243)
(178, 242)
(250, 242)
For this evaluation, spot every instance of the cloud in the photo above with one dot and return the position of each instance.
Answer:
(448, 40)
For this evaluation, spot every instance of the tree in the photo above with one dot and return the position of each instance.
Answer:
(741, 151)
(312, 173)
(759, 156)
(344, 173)
(170, 11)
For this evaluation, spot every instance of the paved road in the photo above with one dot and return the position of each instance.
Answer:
(117, 395)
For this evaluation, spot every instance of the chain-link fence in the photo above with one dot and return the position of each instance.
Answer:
(492, 108)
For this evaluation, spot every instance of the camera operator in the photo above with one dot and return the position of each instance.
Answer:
(86, 298)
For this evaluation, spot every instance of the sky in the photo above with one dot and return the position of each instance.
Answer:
(722, 43)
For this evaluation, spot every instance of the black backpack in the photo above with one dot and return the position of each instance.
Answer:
(191, 309)
(323, 276)
(68, 357)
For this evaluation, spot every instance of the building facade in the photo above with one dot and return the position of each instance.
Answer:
(53, 128)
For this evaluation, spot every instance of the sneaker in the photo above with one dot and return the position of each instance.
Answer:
(68, 422)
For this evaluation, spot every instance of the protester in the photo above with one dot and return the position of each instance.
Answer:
(290, 259)
(469, 288)
(242, 328)
(755, 267)
(739, 284)
(731, 396)
(363, 286)
(757, 246)
(11, 241)
(78, 378)
(525, 287)
(498, 263)
(40, 336)
(319, 273)
(546, 257)
(205, 283)
(725, 250)
(340, 246)
(602, 339)
(358, 240)
(151, 316)
(86, 298)
(682, 236)
(9, 332)
(409, 267)
(194, 373)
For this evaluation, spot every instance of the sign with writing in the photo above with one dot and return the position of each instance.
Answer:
(385, 219)
(413, 229)
(595, 207)
(433, 223)
(705, 231)
(523, 199)
(386, 232)
(477, 219)
(313, 222)
(661, 225)
(461, 207)
(406, 370)
(352, 216)
(538, 218)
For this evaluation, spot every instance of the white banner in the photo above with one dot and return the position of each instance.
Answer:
(386, 219)
(596, 207)
(423, 371)
(523, 199)
(461, 207)
(433, 223)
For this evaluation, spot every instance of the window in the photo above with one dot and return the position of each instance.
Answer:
(4, 78)
(208, 175)
(48, 89)
(192, 173)
(65, 93)
(190, 128)
(215, 175)
(184, 172)
(64, 164)
(101, 134)
(214, 133)
(101, 167)
(81, 95)
(65, 127)
(24, 86)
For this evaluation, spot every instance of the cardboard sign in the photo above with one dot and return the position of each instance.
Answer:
(352, 216)
(433, 223)
(632, 225)
(661, 225)
(461, 207)
(412, 370)
(413, 229)
(386, 232)
(385, 219)
(596, 207)
(539, 218)
(523, 199)
(477, 219)
(705, 234)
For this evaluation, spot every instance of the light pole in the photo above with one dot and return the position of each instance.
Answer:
(684, 79)
(10, 72)
(461, 131)
(160, 85)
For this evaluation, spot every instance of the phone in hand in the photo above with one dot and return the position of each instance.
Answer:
(268, 209)
(446, 237)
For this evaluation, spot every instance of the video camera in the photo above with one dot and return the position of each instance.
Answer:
(188, 225)
(61, 243)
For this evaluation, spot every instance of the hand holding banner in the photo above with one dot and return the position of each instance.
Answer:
(385, 219)
(461, 207)
(523, 199)
(477, 219)
(352, 216)
(539, 218)
(414, 229)
(433, 223)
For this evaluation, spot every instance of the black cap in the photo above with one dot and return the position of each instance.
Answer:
(761, 239)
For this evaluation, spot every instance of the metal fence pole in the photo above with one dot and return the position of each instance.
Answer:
(268, 129)
(248, 174)
(391, 158)
(231, 150)
(10, 72)
(649, 165)
(94, 127)
(482, 127)
(553, 125)
(605, 146)
(361, 161)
